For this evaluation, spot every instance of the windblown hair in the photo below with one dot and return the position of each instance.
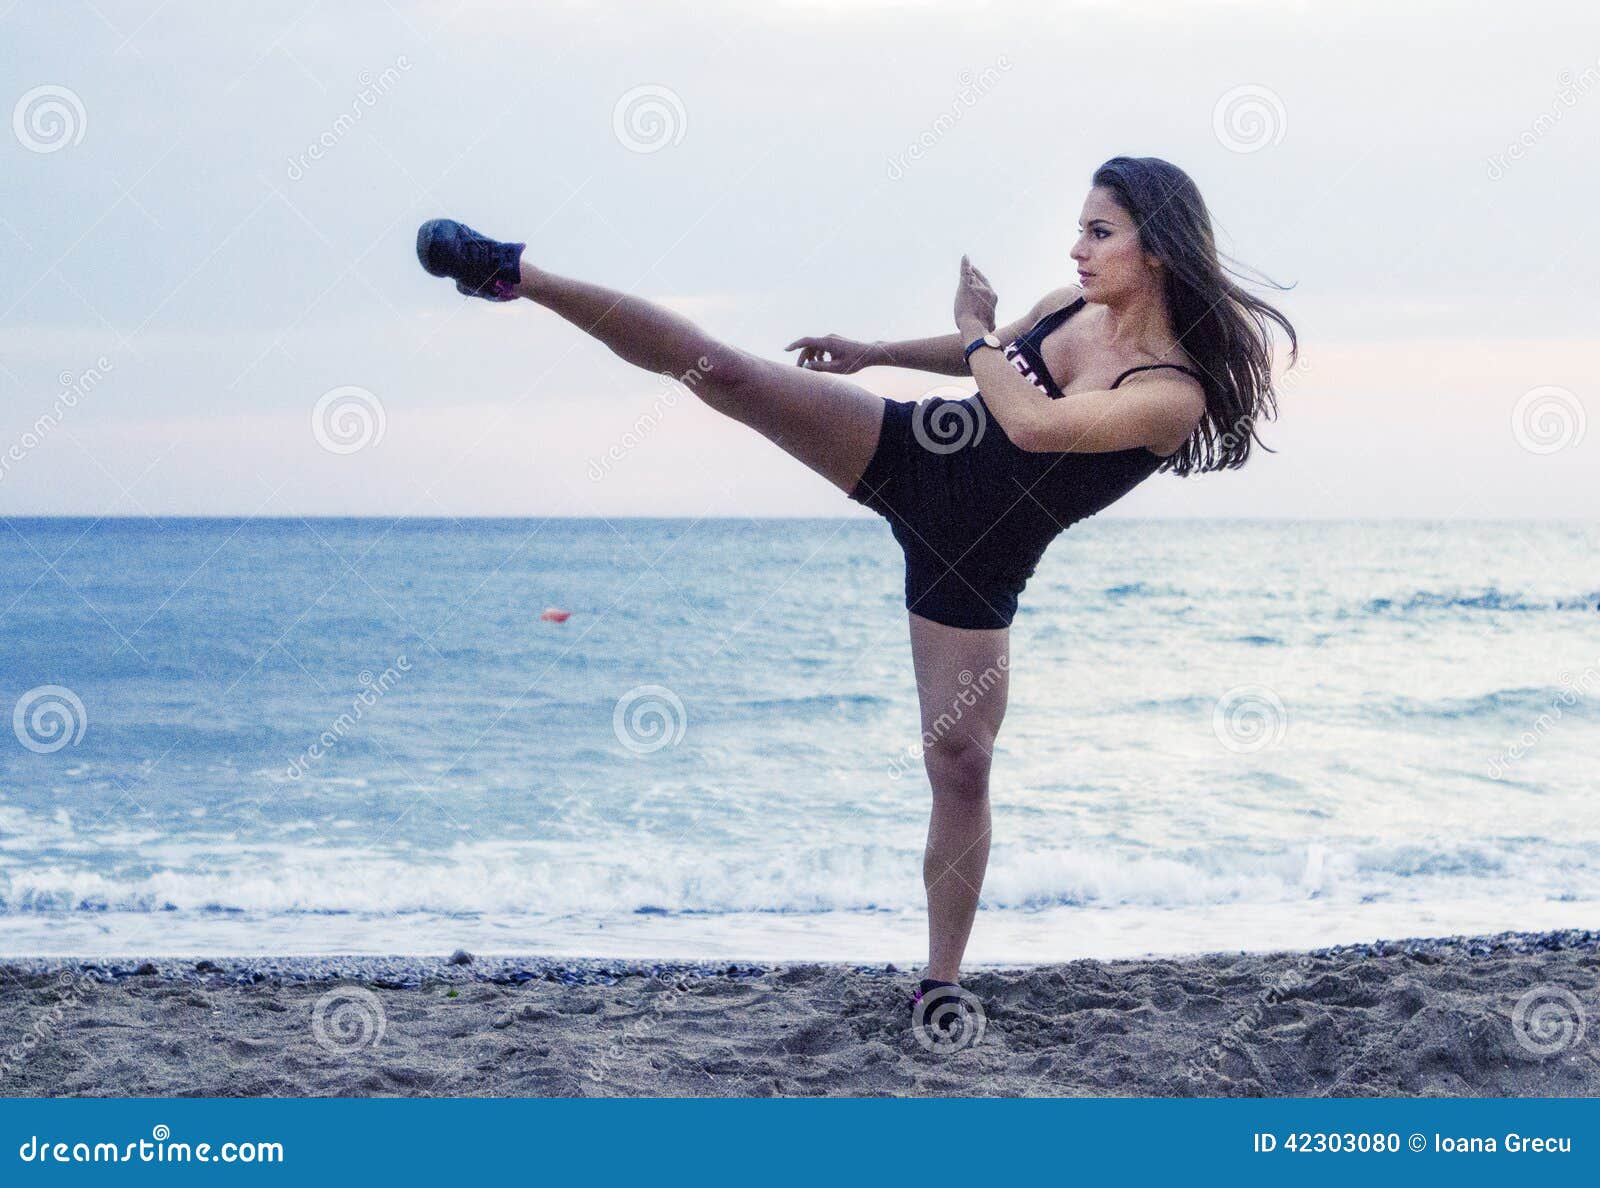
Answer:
(1223, 328)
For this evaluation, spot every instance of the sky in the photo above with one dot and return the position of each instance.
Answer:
(210, 302)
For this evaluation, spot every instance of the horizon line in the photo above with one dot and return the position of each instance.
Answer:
(865, 519)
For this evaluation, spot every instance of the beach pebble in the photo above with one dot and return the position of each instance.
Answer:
(460, 957)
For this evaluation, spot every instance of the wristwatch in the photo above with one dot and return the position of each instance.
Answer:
(987, 340)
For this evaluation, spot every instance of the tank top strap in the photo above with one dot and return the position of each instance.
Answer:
(1043, 327)
(1155, 366)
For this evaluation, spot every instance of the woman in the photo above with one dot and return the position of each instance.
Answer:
(1153, 361)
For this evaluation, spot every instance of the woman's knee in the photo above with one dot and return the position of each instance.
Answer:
(720, 373)
(959, 764)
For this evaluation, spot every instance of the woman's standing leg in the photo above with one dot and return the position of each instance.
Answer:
(963, 678)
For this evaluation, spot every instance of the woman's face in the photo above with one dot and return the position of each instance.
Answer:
(1111, 263)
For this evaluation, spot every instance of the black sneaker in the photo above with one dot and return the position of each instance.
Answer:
(482, 267)
(945, 1017)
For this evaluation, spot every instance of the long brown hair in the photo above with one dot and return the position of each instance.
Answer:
(1223, 328)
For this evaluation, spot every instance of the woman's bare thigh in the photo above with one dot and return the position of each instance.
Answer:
(826, 422)
(963, 683)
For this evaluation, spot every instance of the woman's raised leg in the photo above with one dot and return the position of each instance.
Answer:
(829, 424)
(963, 679)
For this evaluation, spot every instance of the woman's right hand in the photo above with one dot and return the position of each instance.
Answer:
(833, 354)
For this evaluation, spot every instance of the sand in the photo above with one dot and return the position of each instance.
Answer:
(1509, 1015)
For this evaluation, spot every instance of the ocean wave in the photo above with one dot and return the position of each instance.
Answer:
(1521, 706)
(1139, 590)
(1490, 599)
(815, 701)
(550, 881)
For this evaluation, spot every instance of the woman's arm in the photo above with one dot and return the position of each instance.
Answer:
(1149, 412)
(941, 355)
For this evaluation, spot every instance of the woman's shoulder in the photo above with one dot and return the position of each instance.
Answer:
(1056, 300)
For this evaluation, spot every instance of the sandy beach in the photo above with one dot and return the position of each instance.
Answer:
(1508, 1015)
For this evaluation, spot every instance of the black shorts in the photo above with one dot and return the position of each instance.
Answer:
(956, 493)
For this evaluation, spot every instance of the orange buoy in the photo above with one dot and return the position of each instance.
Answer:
(553, 615)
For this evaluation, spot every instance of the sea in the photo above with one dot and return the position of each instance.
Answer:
(699, 739)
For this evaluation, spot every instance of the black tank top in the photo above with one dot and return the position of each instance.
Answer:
(1027, 354)
(1015, 502)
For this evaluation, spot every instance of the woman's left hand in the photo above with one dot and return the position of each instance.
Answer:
(975, 298)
